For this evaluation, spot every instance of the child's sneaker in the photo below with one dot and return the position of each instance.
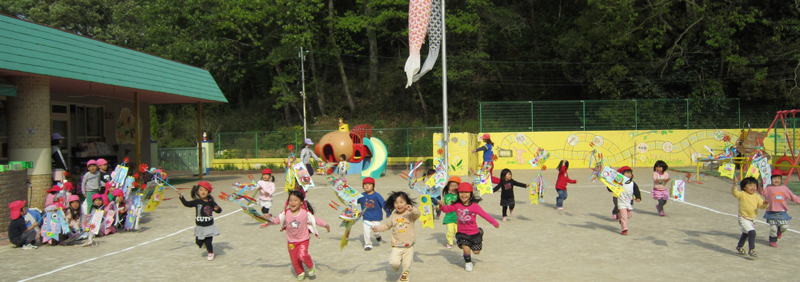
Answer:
(505, 218)
(28, 247)
(368, 248)
(752, 253)
(614, 216)
(468, 267)
(740, 250)
(404, 276)
(449, 246)
(661, 213)
(210, 256)
(301, 276)
(559, 208)
(378, 239)
(264, 225)
(312, 272)
(773, 244)
(14, 246)
(624, 232)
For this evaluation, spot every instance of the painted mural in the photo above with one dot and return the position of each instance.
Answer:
(516, 150)
(126, 132)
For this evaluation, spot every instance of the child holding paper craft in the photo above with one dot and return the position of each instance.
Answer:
(121, 206)
(401, 222)
(434, 200)
(105, 176)
(561, 183)
(778, 197)
(749, 203)
(266, 188)
(299, 223)
(343, 166)
(74, 215)
(625, 199)
(637, 194)
(19, 234)
(97, 203)
(488, 155)
(660, 191)
(469, 235)
(90, 182)
(372, 211)
(204, 230)
(306, 154)
(507, 194)
(450, 218)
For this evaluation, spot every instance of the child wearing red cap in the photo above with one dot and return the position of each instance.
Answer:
(204, 204)
(120, 207)
(778, 196)
(488, 155)
(19, 233)
(469, 236)
(266, 187)
(401, 222)
(624, 202)
(90, 182)
(372, 205)
(637, 194)
(51, 196)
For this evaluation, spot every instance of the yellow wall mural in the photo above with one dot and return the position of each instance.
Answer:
(619, 148)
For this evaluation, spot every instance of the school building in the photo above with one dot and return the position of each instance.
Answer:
(94, 94)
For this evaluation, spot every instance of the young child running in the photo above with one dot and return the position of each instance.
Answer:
(450, 219)
(401, 222)
(561, 183)
(204, 204)
(299, 223)
(749, 203)
(637, 194)
(507, 194)
(469, 236)
(266, 187)
(660, 192)
(778, 196)
(624, 202)
(372, 211)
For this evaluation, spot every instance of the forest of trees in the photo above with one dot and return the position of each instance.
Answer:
(499, 50)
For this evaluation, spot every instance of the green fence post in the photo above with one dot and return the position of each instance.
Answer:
(256, 133)
(531, 102)
(480, 114)
(584, 114)
(687, 113)
(739, 106)
(636, 114)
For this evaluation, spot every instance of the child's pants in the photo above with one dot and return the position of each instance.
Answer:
(562, 195)
(623, 216)
(748, 233)
(368, 230)
(298, 252)
(208, 241)
(774, 227)
(27, 237)
(401, 256)
(452, 228)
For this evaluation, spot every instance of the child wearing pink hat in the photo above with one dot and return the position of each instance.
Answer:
(105, 176)
(19, 233)
(778, 196)
(90, 183)
(120, 207)
(74, 214)
(51, 196)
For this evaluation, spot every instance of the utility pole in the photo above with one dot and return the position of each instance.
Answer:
(303, 78)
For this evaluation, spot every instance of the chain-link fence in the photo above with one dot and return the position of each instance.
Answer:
(400, 142)
(624, 115)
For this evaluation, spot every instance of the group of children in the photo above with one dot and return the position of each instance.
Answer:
(458, 202)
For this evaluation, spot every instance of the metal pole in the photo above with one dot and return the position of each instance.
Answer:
(445, 128)
(199, 140)
(303, 78)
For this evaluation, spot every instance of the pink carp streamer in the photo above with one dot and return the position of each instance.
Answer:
(434, 39)
(419, 13)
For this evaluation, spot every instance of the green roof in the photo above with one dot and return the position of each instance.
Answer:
(37, 49)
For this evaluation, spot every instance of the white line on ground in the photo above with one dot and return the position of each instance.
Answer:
(131, 247)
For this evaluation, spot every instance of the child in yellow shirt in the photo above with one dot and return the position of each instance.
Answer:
(749, 203)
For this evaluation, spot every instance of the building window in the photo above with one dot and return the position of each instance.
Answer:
(87, 123)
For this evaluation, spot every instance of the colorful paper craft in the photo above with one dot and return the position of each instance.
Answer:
(613, 180)
(727, 170)
(303, 178)
(95, 222)
(155, 199)
(54, 224)
(764, 168)
(426, 209)
(482, 181)
(678, 190)
(134, 213)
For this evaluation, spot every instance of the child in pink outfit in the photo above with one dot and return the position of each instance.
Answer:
(266, 188)
(299, 224)
(778, 197)
(469, 236)
(660, 180)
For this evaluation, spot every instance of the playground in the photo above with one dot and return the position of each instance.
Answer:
(694, 241)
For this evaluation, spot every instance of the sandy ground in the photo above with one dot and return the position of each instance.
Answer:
(695, 241)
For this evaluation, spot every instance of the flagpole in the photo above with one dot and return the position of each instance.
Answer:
(445, 127)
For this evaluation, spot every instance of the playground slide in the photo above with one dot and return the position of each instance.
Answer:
(379, 158)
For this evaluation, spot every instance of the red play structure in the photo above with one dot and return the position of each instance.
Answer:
(782, 115)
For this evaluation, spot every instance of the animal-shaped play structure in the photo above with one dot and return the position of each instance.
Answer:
(366, 154)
